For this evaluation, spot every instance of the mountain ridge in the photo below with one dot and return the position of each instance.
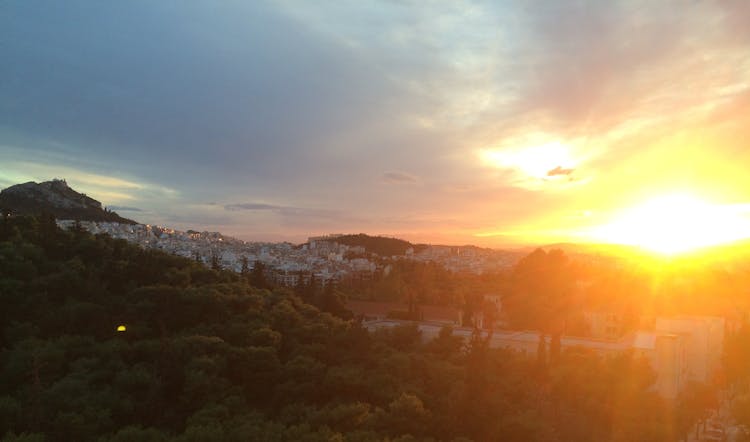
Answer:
(55, 197)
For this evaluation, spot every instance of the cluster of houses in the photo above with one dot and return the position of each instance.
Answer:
(286, 263)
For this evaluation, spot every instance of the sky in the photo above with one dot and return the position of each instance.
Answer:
(460, 122)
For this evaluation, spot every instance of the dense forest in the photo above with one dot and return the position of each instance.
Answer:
(104, 341)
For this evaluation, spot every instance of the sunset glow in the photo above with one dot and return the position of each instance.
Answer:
(498, 124)
(545, 161)
(389, 220)
(676, 223)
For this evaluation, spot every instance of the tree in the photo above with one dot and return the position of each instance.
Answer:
(331, 302)
(741, 414)
(694, 403)
(311, 290)
(736, 358)
(555, 346)
(446, 344)
(541, 292)
(541, 352)
(406, 415)
(299, 285)
(245, 268)
(258, 275)
(215, 263)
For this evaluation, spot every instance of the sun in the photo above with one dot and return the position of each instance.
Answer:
(674, 224)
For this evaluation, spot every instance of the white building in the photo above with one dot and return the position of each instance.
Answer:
(704, 343)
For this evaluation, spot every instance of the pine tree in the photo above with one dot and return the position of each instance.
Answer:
(541, 351)
(311, 290)
(258, 276)
(215, 264)
(245, 266)
(299, 286)
(555, 347)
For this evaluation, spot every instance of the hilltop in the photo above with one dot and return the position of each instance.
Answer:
(379, 245)
(57, 198)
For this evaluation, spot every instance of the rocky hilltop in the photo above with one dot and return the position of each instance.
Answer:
(57, 198)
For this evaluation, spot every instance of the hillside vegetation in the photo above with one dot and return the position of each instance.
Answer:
(207, 357)
(379, 245)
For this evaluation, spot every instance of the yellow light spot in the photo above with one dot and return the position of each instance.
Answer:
(121, 328)
(676, 223)
(546, 161)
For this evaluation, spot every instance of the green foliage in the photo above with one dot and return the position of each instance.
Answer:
(379, 245)
(258, 276)
(594, 398)
(208, 357)
(23, 437)
(136, 433)
(409, 281)
(541, 294)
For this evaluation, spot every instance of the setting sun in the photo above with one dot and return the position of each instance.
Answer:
(676, 223)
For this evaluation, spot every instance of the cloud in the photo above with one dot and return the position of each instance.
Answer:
(252, 206)
(598, 67)
(399, 178)
(285, 211)
(737, 18)
(125, 209)
(317, 104)
(559, 170)
(274, 100)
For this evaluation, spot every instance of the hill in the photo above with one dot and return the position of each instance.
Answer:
(379, 245)
(57, 198)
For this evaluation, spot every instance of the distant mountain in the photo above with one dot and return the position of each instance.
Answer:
(57, 198)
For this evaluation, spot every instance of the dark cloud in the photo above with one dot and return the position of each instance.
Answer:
(125, 209)
(243, 95)
(399, 178)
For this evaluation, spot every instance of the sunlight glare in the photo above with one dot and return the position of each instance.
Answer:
(674, 224)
